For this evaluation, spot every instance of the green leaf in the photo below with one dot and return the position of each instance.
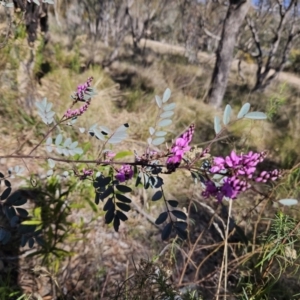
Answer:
(24, 240)
(51, 163)
(160, 133)
(58, 139)
(14, 221)
(164, 123)
(121, 215)
(30, 242)
(167, 231)
(116, 223)
(5, 193)
(67, 142)
(256, 115)
(173, 203)
(288, 202)
(22, 212)
(123, 206)
(123, 154)
(105, 129)
(217, 125)
(161, 218)
(73, 145)
(170, 106)
(102, 181)
(123, 188)
(49, 141)
(109, 216)
(7, 183)
(157, 196)
(123, 198)
(181, 225)
(167, 95)
(158, 101)
(151, 130)
(98, 134)
(179, 214)
(226, 115)
(181, 233)
(16, 199)
(109, 204)
(244, 110)
(32, 222)
(158, 141)
(139, 179)
(167, 114)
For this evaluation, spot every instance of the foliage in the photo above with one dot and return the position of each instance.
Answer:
(221, 178)
(106, 176)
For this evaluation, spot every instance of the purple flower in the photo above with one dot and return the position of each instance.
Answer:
(218, 192)
(85, 174)
(82, 90)
(180, 147)
(265, 176)
(124, 173)
(77, 112)
(239, 169)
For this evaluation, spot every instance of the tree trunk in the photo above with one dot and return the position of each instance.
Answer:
(235, 16)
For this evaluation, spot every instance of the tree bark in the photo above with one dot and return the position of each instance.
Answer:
(235, 16)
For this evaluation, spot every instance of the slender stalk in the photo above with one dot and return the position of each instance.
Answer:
(225, 257)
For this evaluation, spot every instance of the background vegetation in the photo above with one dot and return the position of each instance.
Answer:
(134, 50)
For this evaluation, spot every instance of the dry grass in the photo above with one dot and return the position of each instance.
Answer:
(108, 254)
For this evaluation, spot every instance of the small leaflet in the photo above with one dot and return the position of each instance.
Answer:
(151, 130)
(158, 141)
(158, 101)
(160, 133)
(167, 114)
(49, 173)
(164, 123)
(58, 140)
(170, 106)
(167, 95)
(51, 163)
(256, 115)
(49, 141)
(217, 125)
(226, 116)
(288, 202)
(244, 110)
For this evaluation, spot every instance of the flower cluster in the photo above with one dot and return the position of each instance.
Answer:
(72, 113)
(217, 192)
(85, 174)
(109, 155)
(82, 89)
(238, 171)
(179, 148)
(124, 173)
